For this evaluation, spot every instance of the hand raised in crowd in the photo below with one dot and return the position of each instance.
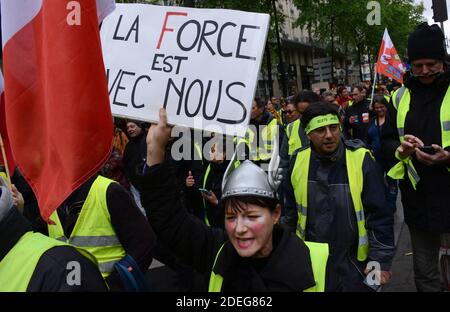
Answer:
(210, 197)
(409, 146)
(19, 202)
(190, 180)
(157, 138)
(441, 156)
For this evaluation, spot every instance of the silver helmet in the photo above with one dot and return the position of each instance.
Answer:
(250, 180)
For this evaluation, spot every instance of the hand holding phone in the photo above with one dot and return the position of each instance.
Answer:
(428, 149)
(205, 191)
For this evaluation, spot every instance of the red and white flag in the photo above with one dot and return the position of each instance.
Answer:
(389, 63)
(57, 108)
(9, 162)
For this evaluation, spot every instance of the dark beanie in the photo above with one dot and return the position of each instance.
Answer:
(426, 42)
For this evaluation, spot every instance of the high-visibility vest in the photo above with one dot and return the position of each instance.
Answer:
(318, 253)
(205, 178)
(198, 151)
(299, 180)
(17, 267)
(401, 100)
(3, 175)
(93, 230)
(265, 152)
(295, 140)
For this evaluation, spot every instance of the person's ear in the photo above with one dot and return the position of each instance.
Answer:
(277, 214)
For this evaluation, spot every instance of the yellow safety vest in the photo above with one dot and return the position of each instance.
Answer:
(295, 141)
(299, 180)
(401, 101)
(4, 176)
(93, 231)
(17, 267)
(268, 131)
(205, 178)
(318, 253)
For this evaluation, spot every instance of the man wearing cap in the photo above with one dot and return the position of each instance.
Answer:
(34, 262)
(338, 194)
(416, 140)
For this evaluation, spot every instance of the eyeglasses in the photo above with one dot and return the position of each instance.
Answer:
(290, 111)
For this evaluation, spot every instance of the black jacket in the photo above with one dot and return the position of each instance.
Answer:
(214, 184)
(131, 227)
(427, 208)
(134, 158)
(357, 120)
(51, 271)
(332, 219)
(288, 268)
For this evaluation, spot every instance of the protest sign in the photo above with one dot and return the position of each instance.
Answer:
(200, 64)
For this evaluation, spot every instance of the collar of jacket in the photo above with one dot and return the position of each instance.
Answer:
(12, 228)
(265, 119)
(286, 260)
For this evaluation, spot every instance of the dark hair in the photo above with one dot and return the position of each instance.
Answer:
(359, 86)
(306, 96)
(380, 99)
(259, 103)
(341, 89)
(327, 93)
(318, 109)
(240, 203)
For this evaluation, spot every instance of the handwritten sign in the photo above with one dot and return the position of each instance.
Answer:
(200, 64)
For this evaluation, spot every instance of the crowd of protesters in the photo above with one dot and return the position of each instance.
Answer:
(323, 221)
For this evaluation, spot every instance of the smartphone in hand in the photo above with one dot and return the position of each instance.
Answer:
(205, 191)
(428, 149)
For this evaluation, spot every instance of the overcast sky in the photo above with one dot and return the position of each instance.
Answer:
(429, 15)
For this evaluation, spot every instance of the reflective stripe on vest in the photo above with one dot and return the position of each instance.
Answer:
(93, 231)
(205, 178)
(294, 141)
(198, 151)
(265, 151)
(299, 180)
(402, 104)
(319, 257)
(17, 267)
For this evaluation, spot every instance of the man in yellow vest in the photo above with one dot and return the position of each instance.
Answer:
(34, 262)
(295, 135)
(338, 194)
(417, 140)
(102, 218)
(294, 139)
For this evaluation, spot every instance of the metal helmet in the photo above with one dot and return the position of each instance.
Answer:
(250, 180)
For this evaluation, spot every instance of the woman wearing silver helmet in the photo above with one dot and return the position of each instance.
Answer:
(254, 253)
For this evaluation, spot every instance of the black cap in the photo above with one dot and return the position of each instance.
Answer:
(426, 42)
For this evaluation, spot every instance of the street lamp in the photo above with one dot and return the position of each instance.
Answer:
(281, 67)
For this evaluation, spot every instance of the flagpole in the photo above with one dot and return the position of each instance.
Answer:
(373, 89)
(8, 176)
